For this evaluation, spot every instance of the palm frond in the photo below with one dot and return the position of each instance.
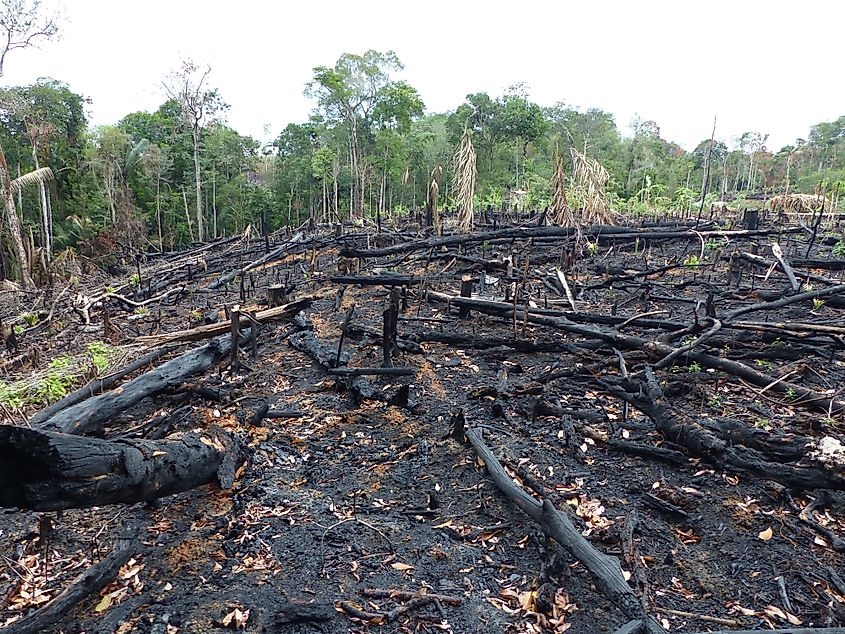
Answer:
(135, 154)
(41, 175)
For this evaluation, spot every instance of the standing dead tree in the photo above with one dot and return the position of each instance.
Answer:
(432, 213)
(465, 178)
(590, 180)
(560, 213)
(22, 25)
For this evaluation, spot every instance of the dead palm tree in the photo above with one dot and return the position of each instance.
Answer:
(465, 178)
(560, 213)
(591, 185)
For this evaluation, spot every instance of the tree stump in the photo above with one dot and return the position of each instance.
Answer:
(466, 291)
(276, 295)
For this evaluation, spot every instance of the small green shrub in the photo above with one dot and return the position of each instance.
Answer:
(100, 354)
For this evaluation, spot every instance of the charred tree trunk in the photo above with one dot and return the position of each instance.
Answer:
(89, 416)
(48, 471)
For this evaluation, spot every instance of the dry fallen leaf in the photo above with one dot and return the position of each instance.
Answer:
(237, 619)
(401, 566)
(766, 535)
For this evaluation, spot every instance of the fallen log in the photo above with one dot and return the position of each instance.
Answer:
(784, 301)
(49, 471)
(760, 261)
(385, 279)
(829, 265)
(788, 630)
(97, 386)
(360, 388)
(605, 570)
(631, 627)
(598, 232)
(89, 582)
(799, 394)
(286, 311)
(733, 446)
(89, 416)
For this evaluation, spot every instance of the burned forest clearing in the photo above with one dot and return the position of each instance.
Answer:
(522, 428)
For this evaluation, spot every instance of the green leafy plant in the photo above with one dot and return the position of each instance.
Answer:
(714, 402)
(839, 249)
(56, 383)
(766, 365)
(592, 249)
(694, 367)
(110, 289)
(100, 354)
(762, 423)
(30, 318)
(692, 261)
(817, 303)
(142, 310)
(134, 279)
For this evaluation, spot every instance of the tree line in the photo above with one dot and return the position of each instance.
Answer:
(160, 180)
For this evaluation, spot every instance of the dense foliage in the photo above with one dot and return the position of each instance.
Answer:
(369, 147)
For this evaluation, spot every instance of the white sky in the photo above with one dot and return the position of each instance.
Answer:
(773, 67)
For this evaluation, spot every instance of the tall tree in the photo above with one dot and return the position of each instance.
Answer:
(188, 87)
(350, 94)
(22, 24)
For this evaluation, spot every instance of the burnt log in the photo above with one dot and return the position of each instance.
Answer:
(285, 311)
(805, 397)
(599, 232)
(96, 386)
(49, 471)
(727, 444)
(89, 416)
(605, 570)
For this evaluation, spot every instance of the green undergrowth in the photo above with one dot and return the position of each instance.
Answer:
(61, 375)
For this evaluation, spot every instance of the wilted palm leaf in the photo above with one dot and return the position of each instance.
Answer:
(591, 184)
(41, 175)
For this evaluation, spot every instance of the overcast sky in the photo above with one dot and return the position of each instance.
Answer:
(773, 67)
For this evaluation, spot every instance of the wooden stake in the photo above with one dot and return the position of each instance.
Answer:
(235, 314)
